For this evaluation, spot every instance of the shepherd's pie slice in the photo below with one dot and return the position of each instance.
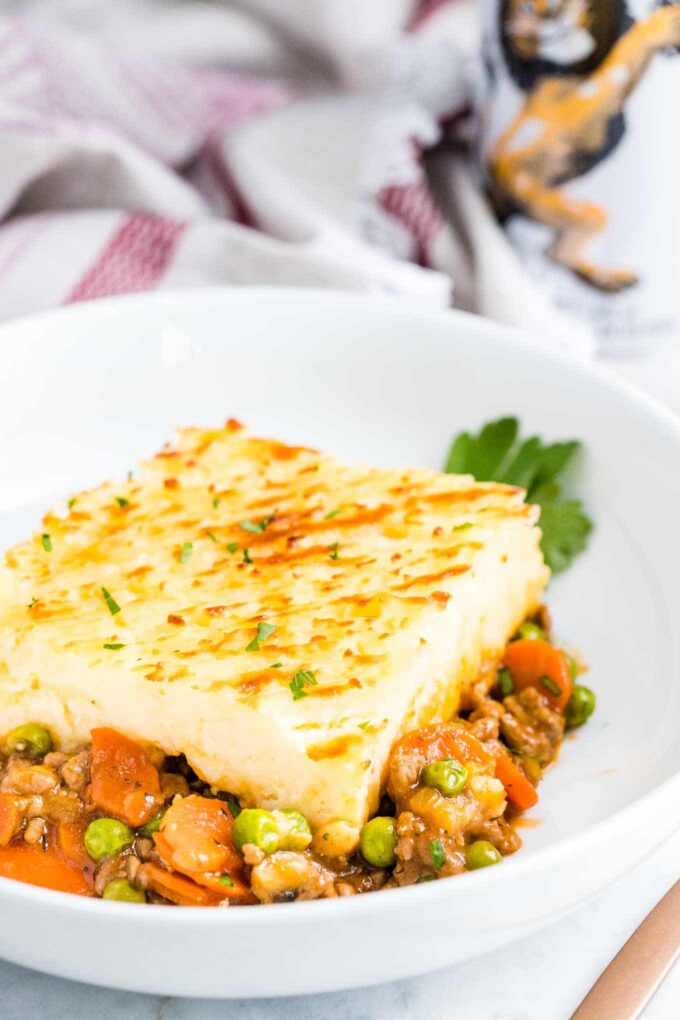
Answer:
(276, 615)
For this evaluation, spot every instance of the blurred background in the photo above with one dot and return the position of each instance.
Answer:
(513, 158)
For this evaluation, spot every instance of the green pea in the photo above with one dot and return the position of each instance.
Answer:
(377, 841)
(294, 830)
(105, 837)
(580, 707)
(30, 738)
(153, 825)
(481, 854)
(448, 776)
(123, 891)
(256, 826)
(531, 632)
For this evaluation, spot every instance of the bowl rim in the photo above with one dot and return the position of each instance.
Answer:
(356, 907)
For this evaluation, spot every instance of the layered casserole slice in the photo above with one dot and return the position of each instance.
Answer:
(276, 615)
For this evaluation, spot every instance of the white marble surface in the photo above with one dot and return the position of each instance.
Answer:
(543, 977)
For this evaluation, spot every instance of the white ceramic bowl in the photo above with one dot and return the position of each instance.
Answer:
(88, 390)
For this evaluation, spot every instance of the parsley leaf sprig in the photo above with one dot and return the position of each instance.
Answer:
(257, 527)
(111, 603)
(264, 630)
(185, 552)
(233, 805)
(301, 678)
(497, 453)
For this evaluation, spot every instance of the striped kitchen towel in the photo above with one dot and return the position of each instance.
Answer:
(307, 142)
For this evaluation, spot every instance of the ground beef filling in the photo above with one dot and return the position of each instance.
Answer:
(49, 801)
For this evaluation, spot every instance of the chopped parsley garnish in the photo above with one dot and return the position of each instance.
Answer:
(122, 501)
(212, 537)
(331, 514)
(110, 602)
(464, 526)
(232, 546)
(264, 630)
(247, 558)
(250, 526)
(363, 725)
(34, 601)
(257, 527)
(302, 677)
(498, 454)
(71, 503)
(276, 665)
(506, 684)
(216, 501)
(113, 646)
(46, 542)
(334, 550)
(233, 805)
(186, 552)
(437, 854)
(550, 686)
(226, 880)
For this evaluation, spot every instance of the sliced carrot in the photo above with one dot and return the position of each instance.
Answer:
(10, 818)
(71, 840)
(197, 831)
(46, 868)
(195, 839)
(445, 740)
(178, 888)
(539, 664)
(518, 789)
(125, 783)
(227, 884)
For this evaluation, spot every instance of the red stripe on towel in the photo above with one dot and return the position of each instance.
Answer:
(424, 11)
(412, 205)
(240, 210)
(135, 258)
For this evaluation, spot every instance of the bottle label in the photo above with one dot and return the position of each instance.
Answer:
(580, 150)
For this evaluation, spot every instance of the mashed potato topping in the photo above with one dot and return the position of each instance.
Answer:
(276, 616)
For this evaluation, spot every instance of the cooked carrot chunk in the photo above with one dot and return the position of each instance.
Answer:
(445, 740)
(538, 664)
(518, 789)
(195, 839)
(10, 817)
(177, 888)
(125, 783)
(46, 868)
